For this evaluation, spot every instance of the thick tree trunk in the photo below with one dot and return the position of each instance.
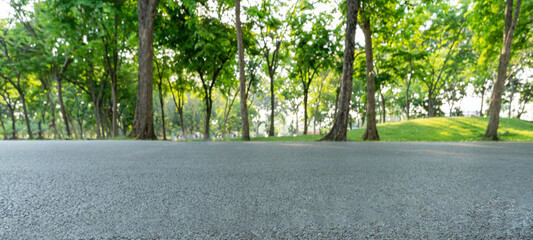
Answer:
(242, 77)
(162, 104)
(497, 91)
(272, 107)
(340, 123)
(371, 132)
(143, 123)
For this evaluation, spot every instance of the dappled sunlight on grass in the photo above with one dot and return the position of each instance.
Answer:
(455, 129)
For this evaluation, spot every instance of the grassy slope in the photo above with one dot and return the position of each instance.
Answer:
(435, 129)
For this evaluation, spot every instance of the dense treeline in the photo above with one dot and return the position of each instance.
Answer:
(146, 69)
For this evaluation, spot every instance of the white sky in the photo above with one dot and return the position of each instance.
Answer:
(5, 9)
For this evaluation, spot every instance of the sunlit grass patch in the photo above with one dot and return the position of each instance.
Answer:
(455, 129)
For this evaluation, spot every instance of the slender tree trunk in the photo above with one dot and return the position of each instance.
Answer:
(306, 95)
(340, 123)
(242, 77)
(272, 107)
(182, 122)
(318, 101)
(512, 81)
(114, 80)
(96, 110)
(431, 110)
(25, 111)
(482, 101)
(497, 91)
(383, 107)
(62, 105)
(143, 123)
(53, 113)
(3, 127)
(161, 103)
(407, 86)
(13, 124)
(209, 105)
(371, 132)
(40, 130)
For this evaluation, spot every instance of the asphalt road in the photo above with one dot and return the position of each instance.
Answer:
(234, 190)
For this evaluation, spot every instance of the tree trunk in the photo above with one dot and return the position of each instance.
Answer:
(340, 123)
(512, 81)
(62, 104)
(209, 105)
(25, 111)
(497, 91)
(318, 100)
(431, 111)
(407, 85)
(162, 104)
(182, 122)
(13, 124)
(3, 127)
(271, 129)
(40, 130)
(306, 95)
(53, 113)
(482, 100)
(242, 77)
(383, 107)
(371, 132)
(143, 122)
(95, 103)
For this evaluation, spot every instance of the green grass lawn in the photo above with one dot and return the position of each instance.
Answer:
(435, 129)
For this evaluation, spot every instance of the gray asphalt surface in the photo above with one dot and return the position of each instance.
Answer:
(234, 190)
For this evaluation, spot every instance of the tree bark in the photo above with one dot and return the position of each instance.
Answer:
(62, 104)
(209, 108)
(512, 81)
(383, 107)
(306, 95)
(407, 85)
(272, 107)
(272, 66)
(431, 111)
(482, 100)
(318, 100)
(340, 123)
(3, 126)
(242, 77)
(25, 111)
(162, 104)
(496, 99)
(371, 132)
(143, 122)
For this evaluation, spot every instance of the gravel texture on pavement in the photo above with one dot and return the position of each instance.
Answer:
(258, 190)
